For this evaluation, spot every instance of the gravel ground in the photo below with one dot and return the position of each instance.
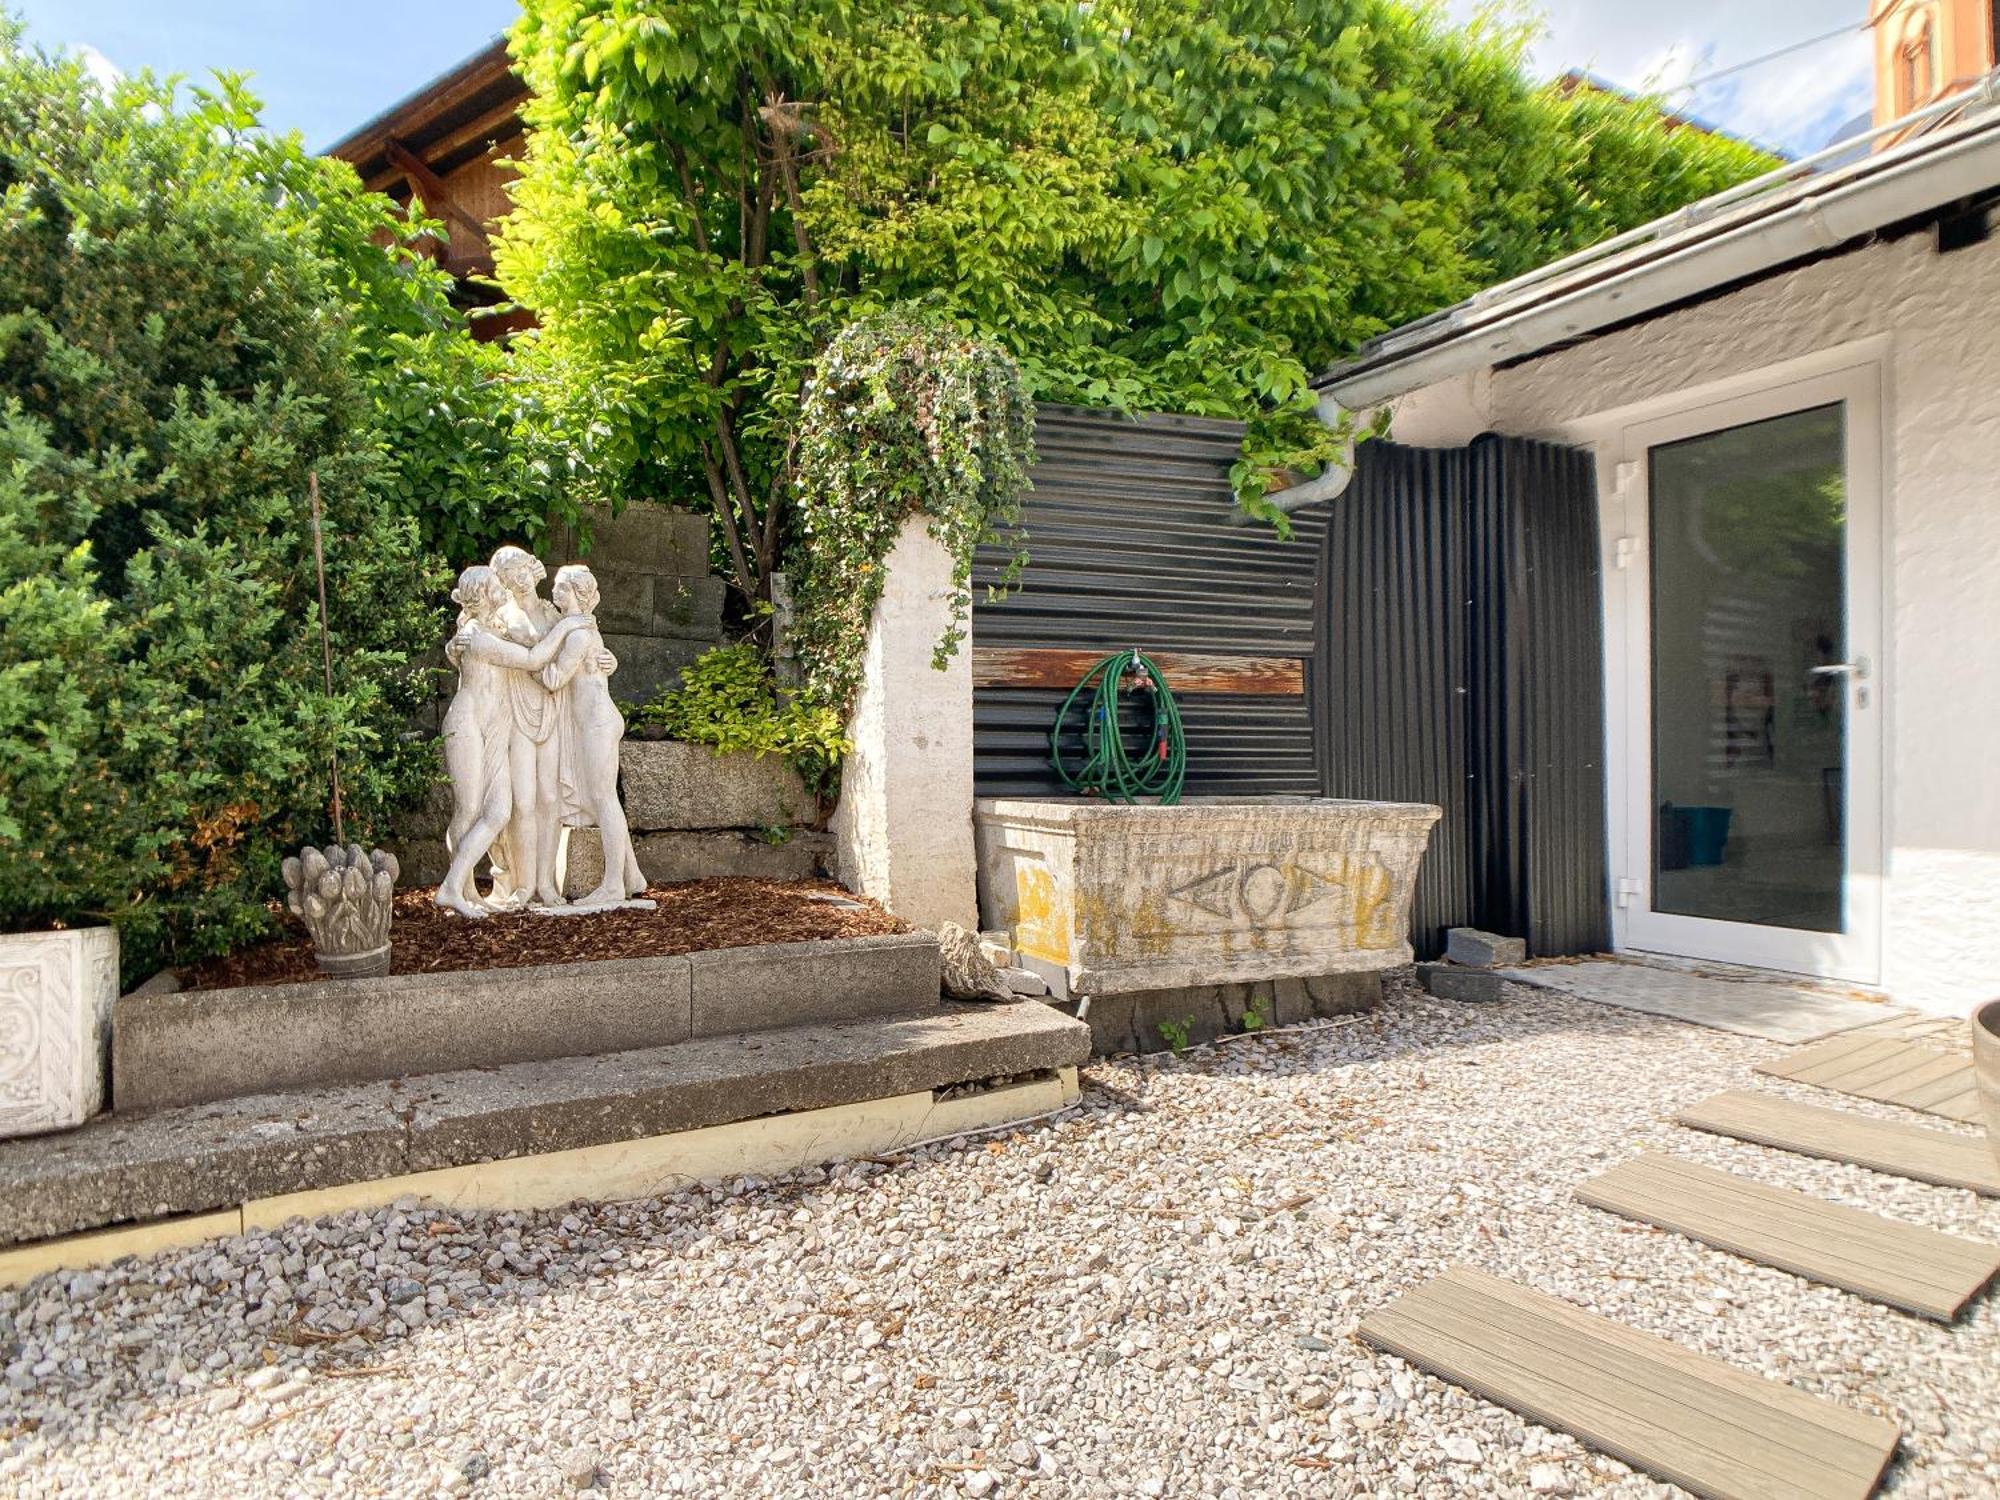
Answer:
(1153, 1294)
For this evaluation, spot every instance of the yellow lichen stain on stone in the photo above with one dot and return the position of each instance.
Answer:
(1149, 928)
(1377, 922)
(1041, 922)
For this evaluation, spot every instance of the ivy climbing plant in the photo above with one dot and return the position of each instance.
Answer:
(903, 417)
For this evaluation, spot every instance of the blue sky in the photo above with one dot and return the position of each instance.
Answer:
(324, 68)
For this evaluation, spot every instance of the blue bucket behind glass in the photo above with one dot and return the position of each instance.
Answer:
(1708, 832)
(1692, 835)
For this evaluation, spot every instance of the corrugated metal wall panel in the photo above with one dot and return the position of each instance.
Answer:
(1463, 666)
(1133, 541)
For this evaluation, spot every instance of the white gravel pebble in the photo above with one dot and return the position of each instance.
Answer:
(1153, 1294)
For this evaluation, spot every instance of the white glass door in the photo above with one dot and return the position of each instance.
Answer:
(1749, 553)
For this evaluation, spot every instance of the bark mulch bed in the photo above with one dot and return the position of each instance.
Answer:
(695, 914)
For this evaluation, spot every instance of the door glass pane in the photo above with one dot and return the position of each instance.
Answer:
(1749, 741)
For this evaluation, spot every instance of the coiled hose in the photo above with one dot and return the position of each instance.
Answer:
(1108, 769)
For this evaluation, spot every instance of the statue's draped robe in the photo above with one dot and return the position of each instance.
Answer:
(533, 715)
(576, 657)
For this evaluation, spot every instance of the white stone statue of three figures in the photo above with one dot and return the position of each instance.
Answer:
(531, 740)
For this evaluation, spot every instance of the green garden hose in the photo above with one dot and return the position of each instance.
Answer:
(1108, 770)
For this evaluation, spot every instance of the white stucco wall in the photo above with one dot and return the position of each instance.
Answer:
(903, 829)
(1941, 567)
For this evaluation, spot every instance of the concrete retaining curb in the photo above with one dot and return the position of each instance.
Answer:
(201, 1158)
(201, 1046)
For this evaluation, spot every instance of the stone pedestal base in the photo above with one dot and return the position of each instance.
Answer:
(1161, 1020)
(56, 994)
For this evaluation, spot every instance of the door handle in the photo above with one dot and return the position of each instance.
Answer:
(1857, 669)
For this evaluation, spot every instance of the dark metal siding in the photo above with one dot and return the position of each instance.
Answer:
(1463, 665)
(1133, 541)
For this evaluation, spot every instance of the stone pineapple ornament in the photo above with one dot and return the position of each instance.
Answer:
(345, 896)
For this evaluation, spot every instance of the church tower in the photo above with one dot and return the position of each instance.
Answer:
(1928, 49)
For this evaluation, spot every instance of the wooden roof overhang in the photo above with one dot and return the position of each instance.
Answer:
(455, 119)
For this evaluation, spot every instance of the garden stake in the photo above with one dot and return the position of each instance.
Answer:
(325, 646)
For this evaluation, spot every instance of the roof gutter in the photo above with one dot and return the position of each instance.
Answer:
(1725, 242)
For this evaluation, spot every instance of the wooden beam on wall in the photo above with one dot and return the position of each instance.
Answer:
(499, 123)
(436, 197)
(1187, 672)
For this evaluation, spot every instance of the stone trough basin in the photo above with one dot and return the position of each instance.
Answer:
(1105, 899)
(1986, 1068)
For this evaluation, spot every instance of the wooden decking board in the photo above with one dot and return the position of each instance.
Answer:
(1850, 1256)
(1920, 1074)
(1956, 1097)
(1855, 1070)
(1918, 1270)
(1614, 1399)
(1875, 1063)
(1913, 1151)
(1790, 1422)
(1896, 1065)
(1835, 1234)
(1892, 1070)
(1847, 1042)
(1909, 1071)
(1693, 1421)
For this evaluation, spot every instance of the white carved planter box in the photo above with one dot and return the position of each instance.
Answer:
(1107, 899)
(56, 994)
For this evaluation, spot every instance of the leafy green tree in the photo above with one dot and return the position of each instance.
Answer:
(1147, 203)
(177, 356)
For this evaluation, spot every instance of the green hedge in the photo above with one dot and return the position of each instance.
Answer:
(177, 354)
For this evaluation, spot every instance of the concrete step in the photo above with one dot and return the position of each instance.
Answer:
(201, 1046)
(234, 1153)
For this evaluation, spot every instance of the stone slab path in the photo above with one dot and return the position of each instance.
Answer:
(1680, 1416)
(1749, 1007)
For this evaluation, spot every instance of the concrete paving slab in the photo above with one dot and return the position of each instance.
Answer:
(1771, 1009)
(120, 1170)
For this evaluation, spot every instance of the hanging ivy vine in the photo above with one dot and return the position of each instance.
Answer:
(903, 417)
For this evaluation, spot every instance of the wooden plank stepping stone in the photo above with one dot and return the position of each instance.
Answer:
(1917, 1270)
(1913, 1151)
(1934, 1078)
(1680, 1416)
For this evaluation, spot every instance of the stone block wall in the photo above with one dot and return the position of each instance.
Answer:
(694, 814)
(661, 608)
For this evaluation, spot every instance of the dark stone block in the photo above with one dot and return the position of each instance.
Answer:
(1483, 950)
(1454, 982)
(1196, 1014)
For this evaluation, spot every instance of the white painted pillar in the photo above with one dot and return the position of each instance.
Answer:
(903, 829)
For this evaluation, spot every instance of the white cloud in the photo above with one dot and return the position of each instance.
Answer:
(1795, 102)
(102, 69)
(1671, 69)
